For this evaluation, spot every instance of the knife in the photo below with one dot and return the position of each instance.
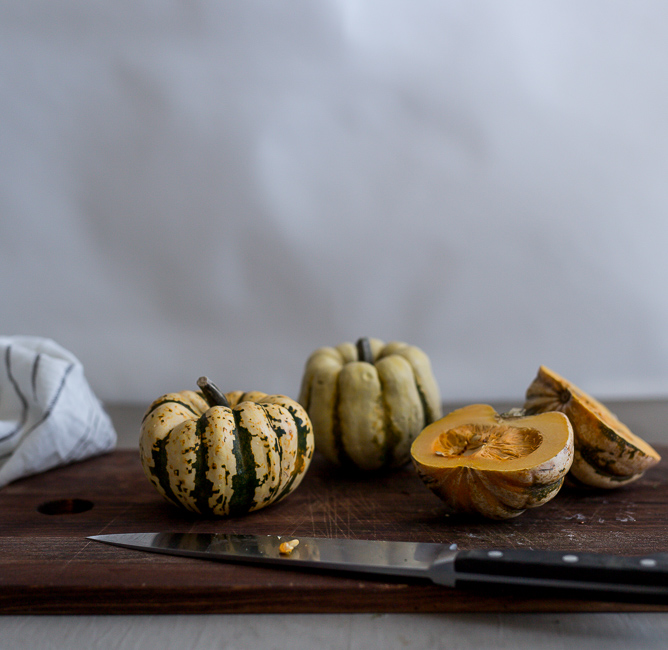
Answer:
(510, 571)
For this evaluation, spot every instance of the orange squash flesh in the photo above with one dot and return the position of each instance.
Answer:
(478, 461)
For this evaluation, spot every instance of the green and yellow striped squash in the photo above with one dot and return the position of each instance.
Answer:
(225, 460)
(369, 401)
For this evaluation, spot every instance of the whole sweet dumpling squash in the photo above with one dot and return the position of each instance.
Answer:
(368, 401)
(225, 454)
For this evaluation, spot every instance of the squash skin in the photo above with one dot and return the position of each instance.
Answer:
(225, 461)
(365, 414)
(500, 489)
(607, 454)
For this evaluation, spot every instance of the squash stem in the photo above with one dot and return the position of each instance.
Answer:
(364, 350)
(212, 393)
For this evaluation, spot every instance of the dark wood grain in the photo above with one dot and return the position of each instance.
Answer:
(48, 566)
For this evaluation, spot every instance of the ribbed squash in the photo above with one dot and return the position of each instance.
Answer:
(479, 462)
(607, 453)
(369, 401)
(229, 454)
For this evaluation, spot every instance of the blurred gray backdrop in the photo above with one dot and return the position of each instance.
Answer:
(219, 188)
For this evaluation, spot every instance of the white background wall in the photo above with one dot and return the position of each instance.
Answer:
(219, 188)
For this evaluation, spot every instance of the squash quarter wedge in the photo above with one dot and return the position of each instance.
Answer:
(607, 453)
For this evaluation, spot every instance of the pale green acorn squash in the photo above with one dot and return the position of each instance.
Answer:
(369, 401)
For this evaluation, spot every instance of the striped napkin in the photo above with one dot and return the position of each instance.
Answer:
(49, 415)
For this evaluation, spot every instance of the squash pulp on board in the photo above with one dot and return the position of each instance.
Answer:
(607, 453)
(478, 461)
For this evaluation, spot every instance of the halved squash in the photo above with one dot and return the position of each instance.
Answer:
(478, 461)
(607, 453)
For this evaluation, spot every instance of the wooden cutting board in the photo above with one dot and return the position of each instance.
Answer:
(48, 566)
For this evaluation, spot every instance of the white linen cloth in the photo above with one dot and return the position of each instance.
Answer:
(49, 416)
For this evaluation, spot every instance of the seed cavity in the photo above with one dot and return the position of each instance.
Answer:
(491, 441)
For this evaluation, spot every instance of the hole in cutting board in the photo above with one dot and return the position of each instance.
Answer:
(65, 507)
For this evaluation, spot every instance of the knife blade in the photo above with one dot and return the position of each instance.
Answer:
(509, 571)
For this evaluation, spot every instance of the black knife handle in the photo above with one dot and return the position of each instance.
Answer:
(568, 565)
(566, 574)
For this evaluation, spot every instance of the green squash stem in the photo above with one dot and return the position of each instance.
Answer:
(212, 393)
(364, 350)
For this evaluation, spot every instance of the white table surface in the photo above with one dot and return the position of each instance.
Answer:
(351, 631)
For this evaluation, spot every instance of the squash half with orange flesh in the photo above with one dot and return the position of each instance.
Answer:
(478, 461)
(607, 453)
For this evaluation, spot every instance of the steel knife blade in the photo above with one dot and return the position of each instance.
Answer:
(509, 571)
